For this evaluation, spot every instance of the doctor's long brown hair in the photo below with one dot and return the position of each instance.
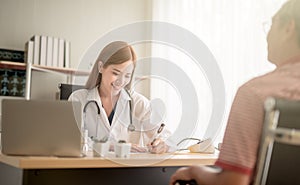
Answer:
(116, 52)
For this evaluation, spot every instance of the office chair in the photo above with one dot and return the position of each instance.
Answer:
(67, 89)
(279, 154)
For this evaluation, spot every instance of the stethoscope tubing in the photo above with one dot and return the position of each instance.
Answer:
(98, 111)
(131, 127)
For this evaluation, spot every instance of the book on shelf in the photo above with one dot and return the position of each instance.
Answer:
(49, 52)
(36, 49)
(28, 52)
(67, 54)
(61, 52)
(11, 55)
(43, 50)
(55, 52)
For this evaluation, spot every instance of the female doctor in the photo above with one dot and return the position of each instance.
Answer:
(111, 110)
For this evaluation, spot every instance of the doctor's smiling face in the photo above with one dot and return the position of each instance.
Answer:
(115, 76)
(113, 69)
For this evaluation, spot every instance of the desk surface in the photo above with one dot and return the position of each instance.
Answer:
(134, 160)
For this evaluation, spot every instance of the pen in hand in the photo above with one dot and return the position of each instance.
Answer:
(160, 129)
(158, 146)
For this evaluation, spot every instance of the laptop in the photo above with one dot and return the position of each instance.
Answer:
(41, 128)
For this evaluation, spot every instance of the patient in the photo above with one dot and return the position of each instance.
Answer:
(238, 155)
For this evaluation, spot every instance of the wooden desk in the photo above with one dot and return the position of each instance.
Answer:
(136, 169)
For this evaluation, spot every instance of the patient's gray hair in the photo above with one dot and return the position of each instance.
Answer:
(291, 10)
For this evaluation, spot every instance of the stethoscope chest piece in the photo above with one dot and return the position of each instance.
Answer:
(131, 127)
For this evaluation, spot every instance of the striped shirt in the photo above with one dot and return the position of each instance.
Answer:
(243, 131)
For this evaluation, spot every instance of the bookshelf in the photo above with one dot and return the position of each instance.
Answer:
(30, 67)
(12, 65)
(22, 66)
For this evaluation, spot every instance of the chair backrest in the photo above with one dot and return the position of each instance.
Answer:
(279, 154)
(67, 89)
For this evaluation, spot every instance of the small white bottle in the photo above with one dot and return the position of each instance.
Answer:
(85, 146)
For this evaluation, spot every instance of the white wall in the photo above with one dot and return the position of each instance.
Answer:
(79, 21)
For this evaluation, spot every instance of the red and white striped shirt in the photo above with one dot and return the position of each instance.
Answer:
(243, 131)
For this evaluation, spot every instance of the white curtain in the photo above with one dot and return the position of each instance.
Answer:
(233, 32)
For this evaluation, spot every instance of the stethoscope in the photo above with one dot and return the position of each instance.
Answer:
(84, 112)
(130, 127)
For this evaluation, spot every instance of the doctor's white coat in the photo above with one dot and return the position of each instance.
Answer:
(145, 120)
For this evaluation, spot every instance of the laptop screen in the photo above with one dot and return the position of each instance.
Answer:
(41, 127)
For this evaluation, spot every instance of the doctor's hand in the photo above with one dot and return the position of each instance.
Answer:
(158, 146)
(138, 149)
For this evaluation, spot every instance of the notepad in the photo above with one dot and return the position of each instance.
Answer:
(41, 128)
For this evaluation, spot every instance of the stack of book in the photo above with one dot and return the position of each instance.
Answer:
(48, 51)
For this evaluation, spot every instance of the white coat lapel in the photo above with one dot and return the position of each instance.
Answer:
(94, 95)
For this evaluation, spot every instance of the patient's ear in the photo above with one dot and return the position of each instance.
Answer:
(290, 30)
(100, 66)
